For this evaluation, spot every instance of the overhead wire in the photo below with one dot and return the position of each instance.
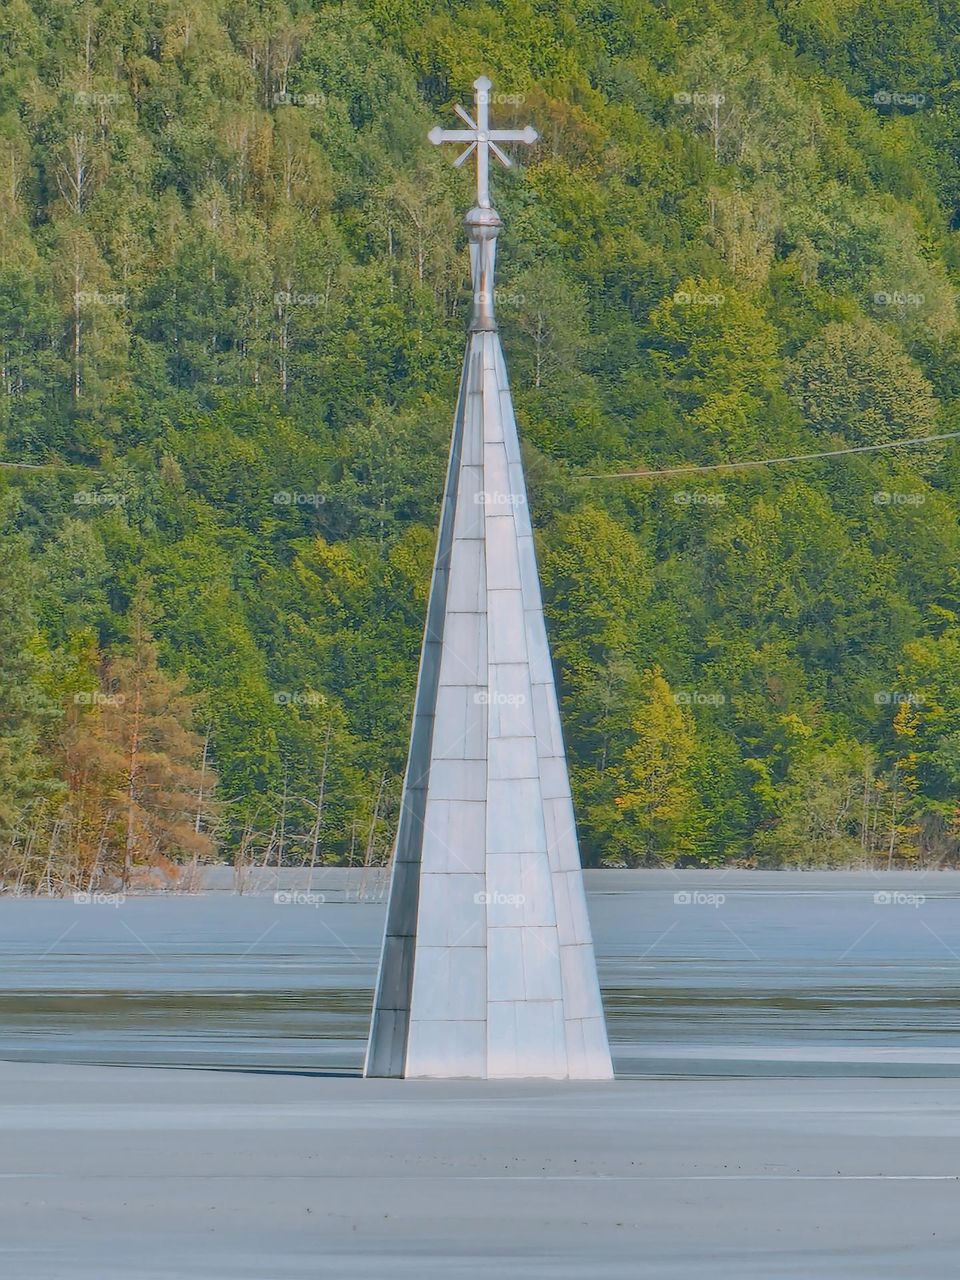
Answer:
(691, 468)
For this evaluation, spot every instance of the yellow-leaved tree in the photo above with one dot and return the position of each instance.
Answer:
(657, 807)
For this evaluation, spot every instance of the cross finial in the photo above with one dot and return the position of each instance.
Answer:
(482, 139)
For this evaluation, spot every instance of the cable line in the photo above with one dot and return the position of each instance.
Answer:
(766, 462)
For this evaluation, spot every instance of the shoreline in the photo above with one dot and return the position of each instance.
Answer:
(345, 883)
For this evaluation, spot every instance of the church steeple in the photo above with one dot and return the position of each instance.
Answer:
(487, 968)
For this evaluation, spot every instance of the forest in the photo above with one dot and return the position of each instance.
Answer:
(233, 292)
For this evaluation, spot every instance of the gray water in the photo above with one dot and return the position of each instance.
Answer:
(739, 973)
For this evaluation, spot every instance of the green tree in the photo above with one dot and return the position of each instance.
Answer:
(857, 382)
(27, 713)
(656, 806)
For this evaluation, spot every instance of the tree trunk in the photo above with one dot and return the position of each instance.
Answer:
(316, 825)
(132, 790)
(893, 817)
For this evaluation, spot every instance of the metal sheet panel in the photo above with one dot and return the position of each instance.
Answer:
(580, 991)
(503, 561)
(526, 1039)
(464, 650)
(513, 758)
(506, 627)
(458, 779)
(450, 983)
(452, 910)
(439, 1050)
(515, 817)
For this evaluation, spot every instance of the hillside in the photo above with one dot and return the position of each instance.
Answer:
(232, 300)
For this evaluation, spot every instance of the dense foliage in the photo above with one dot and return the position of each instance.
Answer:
(231, 312)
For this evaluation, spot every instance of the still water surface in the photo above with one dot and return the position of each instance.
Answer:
(737, 973)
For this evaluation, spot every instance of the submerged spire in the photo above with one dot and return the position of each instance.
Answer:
(487, 968)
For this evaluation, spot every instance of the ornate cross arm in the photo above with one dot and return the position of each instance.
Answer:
(480, 138)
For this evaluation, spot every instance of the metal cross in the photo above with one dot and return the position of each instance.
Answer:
(482, 139)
